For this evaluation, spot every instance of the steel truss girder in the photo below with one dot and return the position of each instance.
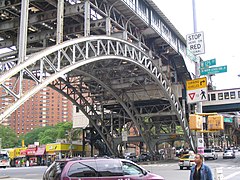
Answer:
(117, 19)
(54, 62)
(46, 16)
(76, 97)
(83, 103)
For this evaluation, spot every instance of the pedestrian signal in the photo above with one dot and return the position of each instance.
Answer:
(195, 122)
(215, 122)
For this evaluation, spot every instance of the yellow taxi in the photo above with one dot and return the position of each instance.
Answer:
(186, 160)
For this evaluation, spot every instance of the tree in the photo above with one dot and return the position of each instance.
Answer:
(48, 134)
(33, 136)
(8, 136)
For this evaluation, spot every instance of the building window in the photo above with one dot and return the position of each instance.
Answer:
(232, 95)
(220, 96)
(226, 95)
(213, 97)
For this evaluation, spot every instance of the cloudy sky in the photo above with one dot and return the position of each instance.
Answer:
(219, 20)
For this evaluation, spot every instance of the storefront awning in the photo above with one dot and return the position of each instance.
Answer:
(40, 151)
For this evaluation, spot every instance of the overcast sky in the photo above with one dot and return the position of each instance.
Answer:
(219, 20)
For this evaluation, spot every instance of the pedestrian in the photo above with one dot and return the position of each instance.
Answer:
(27, 163)
(200, 171)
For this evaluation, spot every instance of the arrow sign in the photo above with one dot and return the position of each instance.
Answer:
(196, 90)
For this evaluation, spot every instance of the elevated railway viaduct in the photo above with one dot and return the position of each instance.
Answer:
(123, 63)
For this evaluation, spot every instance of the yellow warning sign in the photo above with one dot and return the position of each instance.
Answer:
(197, 83)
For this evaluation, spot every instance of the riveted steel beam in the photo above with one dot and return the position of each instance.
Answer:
(92, 53)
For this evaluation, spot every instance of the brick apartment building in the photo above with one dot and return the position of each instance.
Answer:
(46, 108)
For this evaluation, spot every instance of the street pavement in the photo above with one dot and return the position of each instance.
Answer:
(169, 169)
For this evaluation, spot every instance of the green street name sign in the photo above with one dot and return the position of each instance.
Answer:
(205, 64)
(229, 120)
(213, 70)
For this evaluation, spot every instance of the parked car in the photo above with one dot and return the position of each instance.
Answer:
(186, 160)
(144, 157)
(97, 169)
(210, 154)
(131, 156)
(218, 149)
(228, 153)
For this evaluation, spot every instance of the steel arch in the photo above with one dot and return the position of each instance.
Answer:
(71, 96)
(78, 52)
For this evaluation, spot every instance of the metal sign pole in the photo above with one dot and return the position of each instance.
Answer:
(199, 136)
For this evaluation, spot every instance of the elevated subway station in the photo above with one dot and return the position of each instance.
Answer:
(122, 63)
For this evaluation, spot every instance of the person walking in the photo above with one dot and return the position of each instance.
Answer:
(200, 171)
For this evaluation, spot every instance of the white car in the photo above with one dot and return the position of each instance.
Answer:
(229, 153)
(210, 154)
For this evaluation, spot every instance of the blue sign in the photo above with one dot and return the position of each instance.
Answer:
(213, 70)
(205, 64)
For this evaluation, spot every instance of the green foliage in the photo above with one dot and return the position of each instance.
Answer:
(8, 136)
(48, 134)
(32, 136)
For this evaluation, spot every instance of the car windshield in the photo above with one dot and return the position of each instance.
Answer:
(109, 168)
(3, 156)
(207, 150)
(188, 156)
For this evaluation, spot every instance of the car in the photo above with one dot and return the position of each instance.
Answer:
(97, 168)
(235, 149)
(186, 160)
(131, 156)
(144, 157)
(210, 154)
(218, 149)
(228, 153)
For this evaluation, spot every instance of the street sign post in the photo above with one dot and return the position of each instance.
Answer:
(197, 90)
(213, 70)
(195, 43)
(205, 64)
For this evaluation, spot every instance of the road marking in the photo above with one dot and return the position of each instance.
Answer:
(231, 175)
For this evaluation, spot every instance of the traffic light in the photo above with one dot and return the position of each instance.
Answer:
(215, 122)
(195, 122)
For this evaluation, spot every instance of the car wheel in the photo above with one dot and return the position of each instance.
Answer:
(181, 168)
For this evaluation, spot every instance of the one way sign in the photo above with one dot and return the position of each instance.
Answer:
(197, 90)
